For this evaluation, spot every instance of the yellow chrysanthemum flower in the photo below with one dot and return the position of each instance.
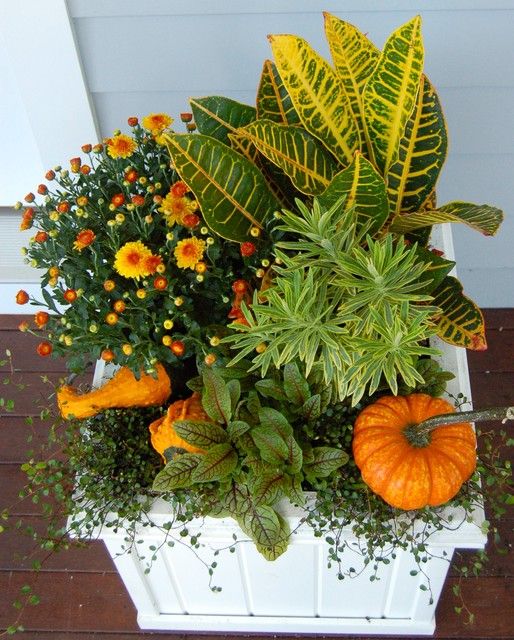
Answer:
(156, 122)
(189, 252)
(132, 260)
(176, 208)
(121, 146)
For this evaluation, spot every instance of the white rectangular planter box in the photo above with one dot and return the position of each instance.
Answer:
(297, 593)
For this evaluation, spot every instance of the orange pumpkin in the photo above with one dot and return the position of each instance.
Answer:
(409, 468)
(122, 390)
(162, 430)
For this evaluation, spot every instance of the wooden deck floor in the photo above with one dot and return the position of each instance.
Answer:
(82, 596)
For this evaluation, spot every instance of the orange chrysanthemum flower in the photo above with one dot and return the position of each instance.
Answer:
(121, 146)
(27, 219)
(189, 252)
(175, 209)
(134, 260)
(156, 122)
(84, 239)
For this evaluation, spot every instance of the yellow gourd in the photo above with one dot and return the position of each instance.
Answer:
(122, 390)
(162, 430)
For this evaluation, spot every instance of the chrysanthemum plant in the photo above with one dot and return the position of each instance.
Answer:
(279, 265)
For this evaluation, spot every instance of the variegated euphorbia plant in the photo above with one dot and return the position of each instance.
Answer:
(369, 127)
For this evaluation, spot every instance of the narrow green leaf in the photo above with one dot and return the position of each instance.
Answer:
(217, 116)
(294, 455)
(217, 463)
(177, 474)
(234, 389)
(199, 433)
(216, 397)
(233, 194)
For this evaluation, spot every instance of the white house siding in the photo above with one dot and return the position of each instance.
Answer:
(140, 57)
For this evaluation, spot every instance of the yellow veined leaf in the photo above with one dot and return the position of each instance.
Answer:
(391, 91)
(317, 94)
(481, 217)
(273, 101)
(217, 116)
(355, 58)
(279, 183)
(460, 322)
(299, 154)
(232, 192)
(437, 270)
(412, 178)
(364, 188)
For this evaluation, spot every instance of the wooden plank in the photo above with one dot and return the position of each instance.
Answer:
(24, 355)
(499, 318)
(498, 357)
(18, 551)
(492, 389)
(14, 434)
(78, 602)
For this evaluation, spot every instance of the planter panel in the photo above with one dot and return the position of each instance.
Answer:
(298, 592)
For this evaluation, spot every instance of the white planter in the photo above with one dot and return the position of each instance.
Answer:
(297, 593)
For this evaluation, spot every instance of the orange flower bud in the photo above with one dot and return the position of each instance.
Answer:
(132, 121)
(30, 197)
(190, 220)
(191, 126)
(178, 347)
(86, 148)
(82, 201)
(111, 318)
(107, 355)
(44, 348)
(186, 117)
(85, 169)
(22, 297)
(200, 267)
(41, 318)
(41, 236)
(131, 175)
(98, 148)
(53, 272)
(70, 295)
(118, 200)
(157, 199)
(109, 285)
(138, 200)
(42, 189)
(26, 220)
(23, 326)
(50, 175)
(179, 189)
(119, 306)
(210, 359)
(247, 249)
(160, 283)
(63, 207)
(75, 164)
(240, 286)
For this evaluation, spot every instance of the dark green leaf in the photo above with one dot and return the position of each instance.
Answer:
(237, 428)
(217, 116)
(326, 460)
(234, 389)
(270, 389)
(267, 488)
(177, 474)
(216, 397)
(292, 487)
(295, 385)
(311, 410)
(272, 447)
(275, 420)
(218, 463)
(200, 434)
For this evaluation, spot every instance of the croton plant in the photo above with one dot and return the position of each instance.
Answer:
(275, 261)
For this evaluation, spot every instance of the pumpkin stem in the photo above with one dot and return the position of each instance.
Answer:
(494, 413)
